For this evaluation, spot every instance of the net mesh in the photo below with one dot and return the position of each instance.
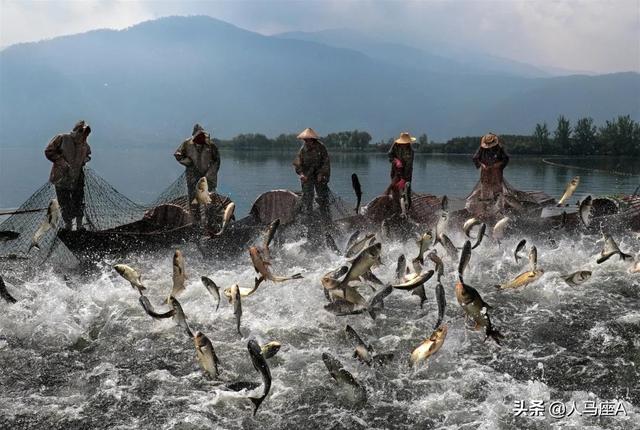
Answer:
(173, 192)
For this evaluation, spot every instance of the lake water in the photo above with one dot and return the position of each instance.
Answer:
(141, 174)
(78, 351)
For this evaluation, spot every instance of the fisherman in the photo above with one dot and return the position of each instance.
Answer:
(69, 152)
(200, 156)
(491, 159)
(314, 169)
(401, 158)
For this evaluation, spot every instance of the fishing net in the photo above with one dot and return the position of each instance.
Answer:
(25, 221)
(173, 192)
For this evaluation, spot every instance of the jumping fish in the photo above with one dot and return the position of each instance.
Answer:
(481, 234)
(441, 226)
(571, 187)
(270, 349)
(519, 248)
(363, 263)
(363, 352)
(423, 245)
(585, 210)
(179, 315)
(452, 251)
(331, 244)
(7, 235)
(237, 306)
(468, 226)
(433, 256)
(226, 218)
(244, 291)
(202, 196)
(179, 275)
(148, 308)
(578, 277)
(499, 229)
(533, 258)
(4, 293)
(523, 279)
(355, 182)
(262, 267)
(377, 301)
(343, 377)
(476, 309)
(465, 257)
(131, 275)
(206, 355)
(442, 304)
(359, 245)
(610, 249)
(50, 222)
(212, 288)
(429, 346)
(405, 200)
(415, 281)
(352, 239)
(271, 232)
(401, 267)
(260, 364)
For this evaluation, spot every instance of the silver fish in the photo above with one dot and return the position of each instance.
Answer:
(571, 187)
(424, 243)
(500, 228)
(270, 349)
(226, 218)
(442, 304)
(481, 234)
(414, 281)
(533, 258)
(452, 251)
(131, 275)
(441, 225)
(519, 248)
(148, 308)
(433, 256)
(610, 249)
(465, 257)
(206, 355)
(179, 315)
(4, 293)
(363, 263)
(468, 226)
(344, 378)
(363, 351)
(260, 364)
(352, 239)
(50, 222)
(212, 288)
(359, 245)
(179, 275)
(585, 210)
(237, 306)
(331, 244)
(401, 267)
(578, 277)
(202, 196)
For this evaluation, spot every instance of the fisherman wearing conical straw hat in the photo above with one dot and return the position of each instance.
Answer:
(401, 158)
(313, 167)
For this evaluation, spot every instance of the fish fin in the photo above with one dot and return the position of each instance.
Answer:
(257, 401)
(604, 258)
(297, 276)
(625, 257)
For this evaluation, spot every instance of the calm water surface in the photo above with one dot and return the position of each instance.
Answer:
(141, 174)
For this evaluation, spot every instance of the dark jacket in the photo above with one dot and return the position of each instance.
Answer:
(200, 160)
(491, 156)
(313, 162)
(403, 152)
(69, 152)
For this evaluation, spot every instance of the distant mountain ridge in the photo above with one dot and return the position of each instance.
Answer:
(152, 81)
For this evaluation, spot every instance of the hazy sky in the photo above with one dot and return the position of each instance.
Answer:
(583, 35)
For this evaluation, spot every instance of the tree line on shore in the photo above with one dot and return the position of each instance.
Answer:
(619, 136)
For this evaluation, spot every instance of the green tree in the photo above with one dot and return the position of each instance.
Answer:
(541, 137)
(584, 140)
(562, 135)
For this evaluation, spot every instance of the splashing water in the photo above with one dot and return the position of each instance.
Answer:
(79, 351)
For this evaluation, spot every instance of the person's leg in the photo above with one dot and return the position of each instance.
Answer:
(65, 201)
(322, 190)
(77, 197)
(307, 197)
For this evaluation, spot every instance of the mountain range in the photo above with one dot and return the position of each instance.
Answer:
(152, 81)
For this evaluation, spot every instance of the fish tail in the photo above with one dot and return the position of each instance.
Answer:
(625, 257)
(603, 258)
(34, 245)
(257, 401)
(494, 334)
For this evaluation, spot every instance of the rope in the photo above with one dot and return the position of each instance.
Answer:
(589, 169)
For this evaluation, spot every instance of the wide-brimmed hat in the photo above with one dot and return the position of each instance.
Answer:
(405, 138)
(308, 133)
(489, 140)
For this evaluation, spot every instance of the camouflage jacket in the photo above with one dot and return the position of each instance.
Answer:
(313, 162)
(69, 153)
